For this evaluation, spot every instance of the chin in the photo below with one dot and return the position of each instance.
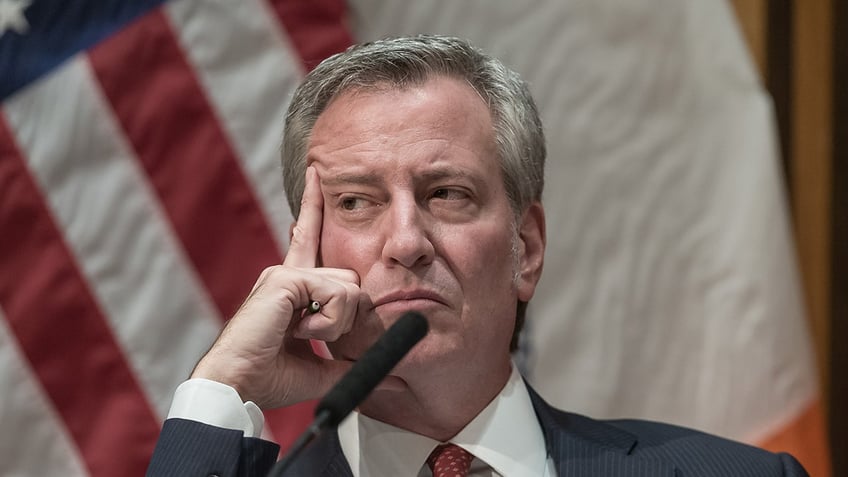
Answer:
(439, 346)
(433, 354)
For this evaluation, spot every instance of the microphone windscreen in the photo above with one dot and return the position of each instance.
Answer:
(372, 367)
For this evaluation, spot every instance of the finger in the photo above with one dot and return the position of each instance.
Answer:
(338, 301)
(335, 317)
(306, 233)
(339, 274)
(348, 297)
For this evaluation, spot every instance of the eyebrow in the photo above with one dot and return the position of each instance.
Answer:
(351, 178)
(439, 173)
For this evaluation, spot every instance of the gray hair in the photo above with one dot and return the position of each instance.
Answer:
(405, 62)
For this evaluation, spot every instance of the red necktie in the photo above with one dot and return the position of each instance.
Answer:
(450, 460)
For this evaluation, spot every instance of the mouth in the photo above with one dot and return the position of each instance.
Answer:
(405, 300)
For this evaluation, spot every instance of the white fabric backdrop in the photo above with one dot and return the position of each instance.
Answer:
(670, 290)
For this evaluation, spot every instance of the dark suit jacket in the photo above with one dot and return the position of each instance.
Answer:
(578, 446)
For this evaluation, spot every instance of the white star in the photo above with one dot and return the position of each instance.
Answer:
(12, 16)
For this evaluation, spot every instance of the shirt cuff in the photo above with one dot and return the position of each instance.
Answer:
(216, 404)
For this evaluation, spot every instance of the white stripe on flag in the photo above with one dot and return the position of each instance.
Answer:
(47, 448)
(113, 225)
(249, 70)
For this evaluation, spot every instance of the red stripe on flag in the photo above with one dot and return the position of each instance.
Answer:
(317, 28)
(189, 160)
(62, 331)
(192, 166)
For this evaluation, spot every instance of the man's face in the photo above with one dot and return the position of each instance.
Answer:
(414, 203)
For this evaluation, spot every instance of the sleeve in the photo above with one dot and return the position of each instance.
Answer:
(210, 431)
(189, 448)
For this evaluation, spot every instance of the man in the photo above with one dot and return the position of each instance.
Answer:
(414, 167)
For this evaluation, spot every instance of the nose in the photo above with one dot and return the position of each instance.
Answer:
(407, 235)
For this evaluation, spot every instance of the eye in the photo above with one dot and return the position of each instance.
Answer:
(352, 203)
(444, 193)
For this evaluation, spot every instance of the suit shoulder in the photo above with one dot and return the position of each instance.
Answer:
(691, 453)
(705, 454)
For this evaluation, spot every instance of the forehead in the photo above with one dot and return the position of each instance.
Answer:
(440, 119)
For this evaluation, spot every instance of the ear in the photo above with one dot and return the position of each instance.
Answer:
(531, 252)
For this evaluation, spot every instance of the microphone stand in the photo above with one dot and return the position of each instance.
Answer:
(362, 378)
(321, 421)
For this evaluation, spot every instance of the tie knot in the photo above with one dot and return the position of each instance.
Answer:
(449, 460)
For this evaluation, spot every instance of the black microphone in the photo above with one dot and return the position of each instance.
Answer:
(363, 377)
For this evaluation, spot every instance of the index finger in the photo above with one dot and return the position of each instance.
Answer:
(306, 233)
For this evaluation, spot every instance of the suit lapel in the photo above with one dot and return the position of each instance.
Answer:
(582, 446)
(577, 445)
(324, 457)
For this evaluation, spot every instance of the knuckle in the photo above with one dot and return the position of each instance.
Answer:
(302, 229)
(271, 270)
(354, 278)
(348, 277)
(266, 272)
(298, 233)
(287, 295)
(354, 287)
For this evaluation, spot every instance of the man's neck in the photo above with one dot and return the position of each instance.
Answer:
(437, 408)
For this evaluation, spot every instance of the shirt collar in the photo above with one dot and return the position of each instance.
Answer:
(506, 435)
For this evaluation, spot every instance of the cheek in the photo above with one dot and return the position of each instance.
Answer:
(488, 263)
(343, 248)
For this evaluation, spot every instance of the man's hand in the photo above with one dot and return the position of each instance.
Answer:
(264, 352)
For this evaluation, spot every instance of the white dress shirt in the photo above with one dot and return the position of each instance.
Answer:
(505, 438)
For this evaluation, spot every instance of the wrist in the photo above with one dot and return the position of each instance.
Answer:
(222, 375)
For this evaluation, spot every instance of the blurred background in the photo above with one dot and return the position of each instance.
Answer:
(696, 206)
(801, 52)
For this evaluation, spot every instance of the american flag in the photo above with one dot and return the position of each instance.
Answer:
(140, 196)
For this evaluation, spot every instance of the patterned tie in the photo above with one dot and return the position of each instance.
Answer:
(450, 460)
